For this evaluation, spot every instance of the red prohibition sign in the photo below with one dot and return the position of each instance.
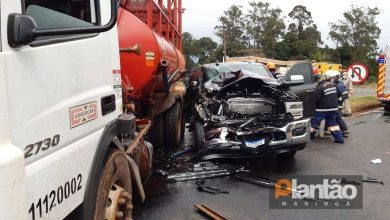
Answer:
(358, 73)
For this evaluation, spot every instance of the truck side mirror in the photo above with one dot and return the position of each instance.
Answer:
(294, 80)
(20, 29)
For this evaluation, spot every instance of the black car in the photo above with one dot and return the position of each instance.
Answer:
(240, 110)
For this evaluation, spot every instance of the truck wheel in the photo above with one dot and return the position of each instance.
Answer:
(156, 132)
(114, 195)
(173, 127)
(387, 108)
(198, 134)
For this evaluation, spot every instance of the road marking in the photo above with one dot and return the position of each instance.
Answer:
(377, 110)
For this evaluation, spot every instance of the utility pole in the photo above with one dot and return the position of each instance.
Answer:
(224, 45)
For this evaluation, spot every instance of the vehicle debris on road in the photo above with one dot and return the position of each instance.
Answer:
(182, 152)
(209, 212)
(371, 179)
(376, 161)
(201, 170)
(201, 187)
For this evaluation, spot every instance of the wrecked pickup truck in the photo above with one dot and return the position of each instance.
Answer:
(239, 110)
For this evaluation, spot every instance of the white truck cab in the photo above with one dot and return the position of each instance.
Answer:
(60, 96)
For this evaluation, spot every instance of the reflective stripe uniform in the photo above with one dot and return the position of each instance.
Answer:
(327, 108)
(326, 97)
(342, 94)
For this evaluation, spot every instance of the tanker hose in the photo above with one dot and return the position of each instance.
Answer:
(164, 69)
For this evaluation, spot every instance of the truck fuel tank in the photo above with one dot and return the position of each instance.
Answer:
(140, 66)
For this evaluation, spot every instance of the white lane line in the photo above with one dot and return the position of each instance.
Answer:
(377, 110)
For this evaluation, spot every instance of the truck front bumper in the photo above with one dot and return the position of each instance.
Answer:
(257, 142)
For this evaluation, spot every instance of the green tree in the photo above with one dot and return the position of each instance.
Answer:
(359, 31)
(282, 51)
(189, 49)
(302, 37)
(264, 27)
(231, 30)
(302, 18)
(206, 49)
(357, 35)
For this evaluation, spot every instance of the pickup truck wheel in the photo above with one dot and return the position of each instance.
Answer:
(173, 127)
(198, 134)
(287, 156)
(114, 196)
(156, 132)
(387, 108)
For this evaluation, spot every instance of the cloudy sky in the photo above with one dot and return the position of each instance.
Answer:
(201, 16)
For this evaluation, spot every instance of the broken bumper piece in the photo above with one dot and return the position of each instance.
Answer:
(257, 142)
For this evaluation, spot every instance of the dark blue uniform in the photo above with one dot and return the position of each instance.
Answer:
(342, 94)
(327, 108)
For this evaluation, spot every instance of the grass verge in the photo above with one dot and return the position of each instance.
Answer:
(362, 103)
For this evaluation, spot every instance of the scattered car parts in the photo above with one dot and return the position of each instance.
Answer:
(209, 212)
(372, 180)
(201, 187)
(201, 170)
(376, 161)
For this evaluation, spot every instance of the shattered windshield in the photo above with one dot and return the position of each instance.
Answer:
(214, 71)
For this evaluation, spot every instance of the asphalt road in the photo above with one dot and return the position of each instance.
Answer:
(369, 139)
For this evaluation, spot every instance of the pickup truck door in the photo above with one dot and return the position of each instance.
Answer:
(306, 92)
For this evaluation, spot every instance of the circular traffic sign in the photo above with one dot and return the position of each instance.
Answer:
(358, 73)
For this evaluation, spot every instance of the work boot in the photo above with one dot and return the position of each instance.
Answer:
(313, 134)
(346, 133)
(324, 136)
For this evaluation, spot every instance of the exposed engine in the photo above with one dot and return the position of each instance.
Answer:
(249, 106)
(249, 98)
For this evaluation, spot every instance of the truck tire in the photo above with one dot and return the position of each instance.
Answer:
(198, 134)
(156, 134)
(173, 127)
(114, 195)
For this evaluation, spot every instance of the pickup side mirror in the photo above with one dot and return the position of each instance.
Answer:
(294, 80)
(22, 29)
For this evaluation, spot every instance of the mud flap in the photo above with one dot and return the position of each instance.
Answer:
(134, 169)
(137, 177)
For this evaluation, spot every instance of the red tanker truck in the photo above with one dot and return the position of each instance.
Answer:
(153, 66)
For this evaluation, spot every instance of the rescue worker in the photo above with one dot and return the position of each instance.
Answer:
(272, 68)
(315, 70)
(317, 79)
(347, 111)
(342, 94)
(326, 107)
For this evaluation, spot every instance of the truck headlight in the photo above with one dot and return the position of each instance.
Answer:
(295, 108)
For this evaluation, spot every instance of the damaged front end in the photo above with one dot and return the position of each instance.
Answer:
(243, 114)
